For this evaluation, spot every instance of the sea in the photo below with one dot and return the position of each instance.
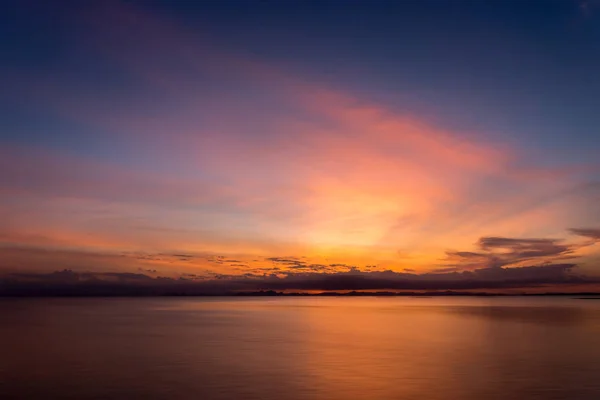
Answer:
(293, 348)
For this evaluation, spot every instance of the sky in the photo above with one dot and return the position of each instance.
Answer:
(306, 145)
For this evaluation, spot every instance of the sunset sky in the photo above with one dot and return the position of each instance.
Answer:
(281, 140)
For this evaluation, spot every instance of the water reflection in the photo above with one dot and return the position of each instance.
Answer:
(301, 348)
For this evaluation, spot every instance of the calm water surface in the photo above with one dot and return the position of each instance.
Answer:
(300, 348)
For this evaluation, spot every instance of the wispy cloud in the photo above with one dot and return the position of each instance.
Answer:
(591, 233)
(497, 252)
(226, 153)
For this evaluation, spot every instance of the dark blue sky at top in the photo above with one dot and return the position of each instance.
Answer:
(526, 72)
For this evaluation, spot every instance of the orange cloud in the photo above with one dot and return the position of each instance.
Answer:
(266, 162)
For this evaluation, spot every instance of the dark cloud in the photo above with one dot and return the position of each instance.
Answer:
(190, 277)
(520, 249)
(497, 252)
(269, 270)
(286, 260)
(149, 271)
(69, 282)
(144, 256)
(448, 269)
(299, 263)
(586, 232)
(485, 278)
(342, 266)
(498, 263)
(311, 267)
(465, 254)
(491, 242)
(180, 256)
(167, 257)
(216, 259)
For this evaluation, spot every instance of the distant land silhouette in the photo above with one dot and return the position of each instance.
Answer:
(550, 279)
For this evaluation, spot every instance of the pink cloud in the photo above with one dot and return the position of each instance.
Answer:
(268, 159)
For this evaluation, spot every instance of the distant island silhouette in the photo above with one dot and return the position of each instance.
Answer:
(72, 292)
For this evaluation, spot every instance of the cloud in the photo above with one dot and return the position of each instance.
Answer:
(258, 176)
(286, 260)
(501, 264)
(224, 151)
(549, 277)
(496, 252)
(485, 278)
(342, 266)
(29, 171)
(586, 232)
